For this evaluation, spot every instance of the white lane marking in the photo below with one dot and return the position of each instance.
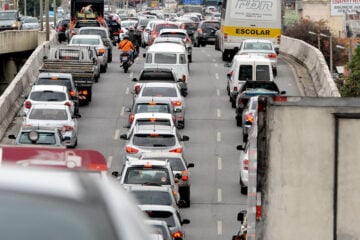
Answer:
(218, 136)
(109, 161)
(219, 227)
(122, 111)
(117, 134)
(127, 91)
(219, 163)
(217, 76)
(208, 55)
(218, 92)
(218, 113)
(219, 195)
(214, 60)
(216, 65)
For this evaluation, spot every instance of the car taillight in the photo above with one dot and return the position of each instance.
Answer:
(27, 104)
(184, 78)
(246, 164)
(235, 89)
(131, 150)
(72, 93)
(184, 176)
(84, 92)
(68, 128)
(272, 55)
(249, 117)
(67, 104)
(131, 118)
(177, 150)
(200, 30)
(225, 36)
(177, 234)
(97, 167)
(73, 32)
(278, 39)
(60, 29)
(187, 40)
(101, 51)
(121, 31)
(176, 103)
(116, 33)
(137, 89)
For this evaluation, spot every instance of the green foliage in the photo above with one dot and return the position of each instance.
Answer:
(351, 87)
(33, 6)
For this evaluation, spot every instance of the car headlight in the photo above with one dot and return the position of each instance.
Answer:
(14, 25)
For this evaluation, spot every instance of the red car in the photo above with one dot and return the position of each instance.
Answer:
(159, 26)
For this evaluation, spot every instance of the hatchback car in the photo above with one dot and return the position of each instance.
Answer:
(260, 47)
(48, 94)
(180, 170)
(55, 116)
(179, 33)
(150, 138)
(169, 91)
(168, 214)
(248, 116)
(205, 34)
(103, 33)
(95, 41)
(38, 136)
(38, 203)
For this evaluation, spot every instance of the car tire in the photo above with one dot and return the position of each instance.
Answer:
(228, 91)
(225, 56)
(275, 72)
(203, 43)
(181, 124)
(243, 188)
(238, 120)
(245, 137)
(110, 58)
(233, 103)
(190, 58)
(185, 195)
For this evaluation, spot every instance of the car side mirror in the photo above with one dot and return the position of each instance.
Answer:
(123, 137)
(115, 174)
(12, 136)
(190, 165)
(134, 80)
(185, 138)
(22, 114)
(144, 55)
(45, 57)
(178, 176)
(127, 109)
(240, 147)
(283, 92)
(228, 75)
(185, 221)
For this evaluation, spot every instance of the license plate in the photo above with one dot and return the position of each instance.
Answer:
(124, 58)
(211, 39)
(116, 37)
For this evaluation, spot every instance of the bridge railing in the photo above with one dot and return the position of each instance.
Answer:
(18, 41)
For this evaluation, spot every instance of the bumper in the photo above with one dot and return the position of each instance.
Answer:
(244, 178)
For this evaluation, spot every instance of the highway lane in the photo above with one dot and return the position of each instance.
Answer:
(210, 124)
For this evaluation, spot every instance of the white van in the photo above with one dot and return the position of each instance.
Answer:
(244, 68)
(168, 55)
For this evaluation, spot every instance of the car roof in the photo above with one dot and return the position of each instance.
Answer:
(250, 58)
(55, 74)
(152, 115)
(138, 187)
(154, 207)
(37, 129)
(166, 47)
(169, 40)
(257, 40)
(57, 88)
(173, 30)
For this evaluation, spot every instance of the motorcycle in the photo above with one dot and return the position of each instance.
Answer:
(115, 38)
(125, 61)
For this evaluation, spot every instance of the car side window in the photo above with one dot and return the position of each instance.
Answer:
(182, 59)
(149, 58)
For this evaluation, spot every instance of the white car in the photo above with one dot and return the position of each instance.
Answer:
(30, 23)
(179, 33)
(95, 41)
(55, 116)
(147, 118)
(48, 94)
(170, 91)
(260, 47)
(244, 167)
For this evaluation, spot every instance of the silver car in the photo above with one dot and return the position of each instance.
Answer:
(54, 116)
(95, 41)
(168, 214)
(171, 91)
(149, 138)
(180, 170)
(160, 227)
(249, 116)
(243, 167)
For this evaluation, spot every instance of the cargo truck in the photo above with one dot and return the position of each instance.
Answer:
(303, 170)
(86, 10)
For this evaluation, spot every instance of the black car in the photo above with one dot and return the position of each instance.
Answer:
(61, 28)
(205, 34)
(190, 28)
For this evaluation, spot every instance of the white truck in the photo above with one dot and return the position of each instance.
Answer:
(243, 19)
(304, 169)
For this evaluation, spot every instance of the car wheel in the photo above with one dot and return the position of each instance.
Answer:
(225, 56)
(190, 58)
(181, 124)
(185, 195)
(203, 43)
(233, 103)
(275, 72)
(238, 121)
(245, 137)
(228, 91)
(110, 58)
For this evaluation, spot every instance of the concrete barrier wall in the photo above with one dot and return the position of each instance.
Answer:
(314, 61)
(11, 100)
(18, 41)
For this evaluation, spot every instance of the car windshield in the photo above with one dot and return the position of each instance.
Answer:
(48, 114)
(99, 32)
(48, 96)
(7, 15)
(145, 107)
(163, 216)
(45, 138)
(159, 92)
(154, 140)
(71, 220)
(87, 41)
(215, 25)
(147, 175)
(257, 46)
(165, 58)
(176, 163)
(55, 81)
(153, 197)
(173, 34)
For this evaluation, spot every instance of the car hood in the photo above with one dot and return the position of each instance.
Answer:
(7, 22)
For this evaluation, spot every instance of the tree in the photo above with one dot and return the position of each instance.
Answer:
(351, 86)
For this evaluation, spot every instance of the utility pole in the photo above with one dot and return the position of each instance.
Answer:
(54, 13)
(47, 29)
(41, 16)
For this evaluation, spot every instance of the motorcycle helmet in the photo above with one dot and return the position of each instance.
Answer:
(126, 36)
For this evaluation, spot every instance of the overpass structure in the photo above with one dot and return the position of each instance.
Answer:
(10, 101)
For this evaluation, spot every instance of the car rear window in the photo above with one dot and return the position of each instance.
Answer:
(174, 34)
(165, 26)
(99, 32)
(245, 72)
(69, 54)
(48, 96)
(263, 72)
(143, 108)
(88, 41)
(257, 46)
(159, 76)
(87, 24)
(165, 58)
(147, 175)
(48, 114)
(154, 140)
(45, 138)
(55, 81)
(153, 121)
(211, 25)
(176, 163)
(153, 197)
(162, 216)
(159, 92)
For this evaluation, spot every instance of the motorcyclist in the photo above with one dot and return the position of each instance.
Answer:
(133, 37)
(114, 26)
(126, 46)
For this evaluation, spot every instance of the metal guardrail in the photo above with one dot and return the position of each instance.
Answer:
(18, 41)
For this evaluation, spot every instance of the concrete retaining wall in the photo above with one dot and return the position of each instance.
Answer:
(11, 100)
(18, 41)
(314, 61)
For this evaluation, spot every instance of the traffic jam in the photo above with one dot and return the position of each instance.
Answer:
(155, 172)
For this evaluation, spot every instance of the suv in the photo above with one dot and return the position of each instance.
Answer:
(103, 33)
(10, 20)
(152, 138)
(206, 33)
(62, 79)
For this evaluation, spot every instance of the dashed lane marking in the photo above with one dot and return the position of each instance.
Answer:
(109, 161)
(127, 91)
(217, 76)
(218, 113)
(218, 136)
(122, 111)
(218, 92)
(219, 227)
(117, 134)
(219, 163)
(219, 195)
